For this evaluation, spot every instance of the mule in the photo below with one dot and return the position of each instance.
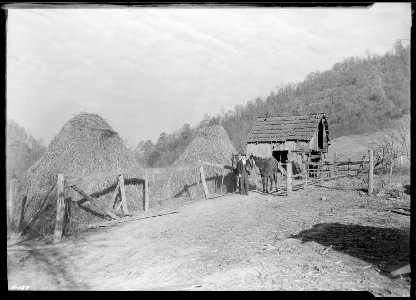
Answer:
(268, 170)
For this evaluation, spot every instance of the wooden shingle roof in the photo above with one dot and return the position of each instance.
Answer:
(280, 129)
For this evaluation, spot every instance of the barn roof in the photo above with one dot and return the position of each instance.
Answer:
(280, 129)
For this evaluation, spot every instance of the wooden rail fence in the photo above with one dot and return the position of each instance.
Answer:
(326, 170)
(119, 196)
(119, 200)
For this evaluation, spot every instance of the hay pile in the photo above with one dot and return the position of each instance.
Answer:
(86, 145)
(213, 145)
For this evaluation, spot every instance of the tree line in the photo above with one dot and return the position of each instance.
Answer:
(22, 150)
(357, 95)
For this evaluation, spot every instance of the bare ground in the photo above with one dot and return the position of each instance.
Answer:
(345, 241)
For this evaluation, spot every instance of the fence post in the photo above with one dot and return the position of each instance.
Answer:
(222, 179)
(146, 193)
(335, 164)
(123, 194)
(10, 205)
(289, 174)
(370, 172)
(201, 170)
(321, 159)
(60, 208)
(305, 180)
(349, 160)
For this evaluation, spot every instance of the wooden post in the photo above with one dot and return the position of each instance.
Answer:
(10, 205)
(222, 179)
(60, 209)
(349, 161)
(115, 196)
(289, 174)
(370, 172)
(305, 180)
(201, 170)
(146, 193)
(123, 194)
(335, 163)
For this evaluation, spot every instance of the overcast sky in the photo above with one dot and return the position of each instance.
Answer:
(151, 70)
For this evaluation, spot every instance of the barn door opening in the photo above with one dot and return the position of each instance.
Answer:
(280, 155)
(321, 135)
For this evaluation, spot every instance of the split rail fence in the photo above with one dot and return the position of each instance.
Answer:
(313, 173)
(118, 199)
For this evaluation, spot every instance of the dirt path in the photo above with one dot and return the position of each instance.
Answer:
(255, 242)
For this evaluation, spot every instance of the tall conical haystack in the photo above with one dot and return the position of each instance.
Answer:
(86, 145)
(213, 145)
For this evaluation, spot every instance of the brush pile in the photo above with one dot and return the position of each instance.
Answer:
(86, 145)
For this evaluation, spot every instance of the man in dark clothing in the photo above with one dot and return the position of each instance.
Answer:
(243, 167)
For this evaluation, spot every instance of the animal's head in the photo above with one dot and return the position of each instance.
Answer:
(251, 160)
(234, 159)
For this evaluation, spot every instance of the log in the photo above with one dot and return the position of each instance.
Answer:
(283, 171)
(123, 194)
(60, 209)
(201, 170)
(370, 173)
(400, 271)
(93, 202)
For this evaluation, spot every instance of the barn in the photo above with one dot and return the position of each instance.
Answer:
(276, 136)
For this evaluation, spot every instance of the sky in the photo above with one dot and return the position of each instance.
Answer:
(151, 70)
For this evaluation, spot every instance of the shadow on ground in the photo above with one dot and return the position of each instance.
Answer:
(381, 247)
(53, 263)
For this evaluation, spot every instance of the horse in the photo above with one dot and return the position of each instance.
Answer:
(234, 160)
(268, 169)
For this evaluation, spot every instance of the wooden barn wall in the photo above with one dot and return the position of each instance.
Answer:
(261, 150)
(266, 149)
(325, 139)
(290, 145)
(313, 143)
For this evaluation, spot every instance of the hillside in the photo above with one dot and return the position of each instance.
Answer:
(358, 95)
(355, 146)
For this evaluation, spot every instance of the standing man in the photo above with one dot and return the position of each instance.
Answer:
(243, 172)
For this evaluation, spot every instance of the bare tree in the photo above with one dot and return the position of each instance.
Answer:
(393, 143)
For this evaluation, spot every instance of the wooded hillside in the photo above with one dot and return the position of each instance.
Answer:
(358, 95)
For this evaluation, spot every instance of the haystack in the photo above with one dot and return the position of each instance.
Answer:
(213, 145)
(86, 145)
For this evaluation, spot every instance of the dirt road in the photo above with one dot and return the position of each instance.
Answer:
(234, 242)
